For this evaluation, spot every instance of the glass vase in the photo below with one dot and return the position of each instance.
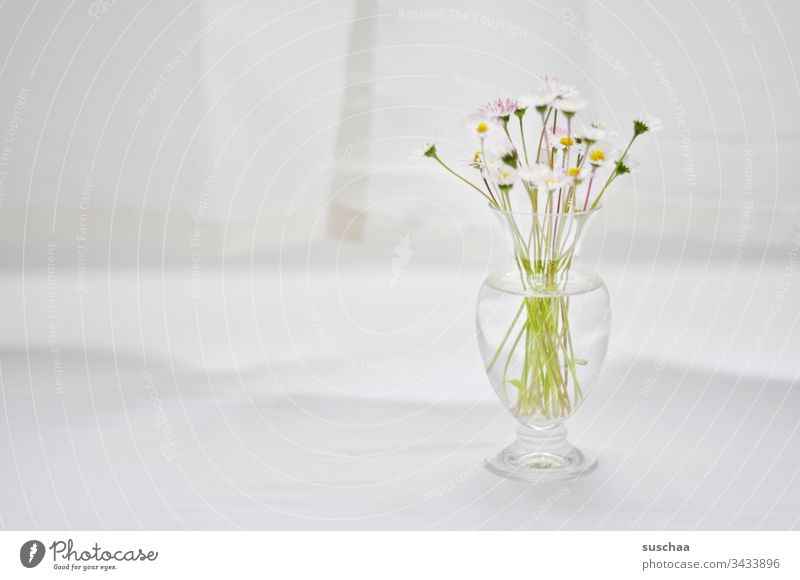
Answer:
(543, 326)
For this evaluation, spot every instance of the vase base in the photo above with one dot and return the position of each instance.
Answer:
(547, 456)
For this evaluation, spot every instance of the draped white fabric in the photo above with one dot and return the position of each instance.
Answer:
(324, 408)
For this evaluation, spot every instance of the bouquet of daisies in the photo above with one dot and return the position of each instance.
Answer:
(543, 170)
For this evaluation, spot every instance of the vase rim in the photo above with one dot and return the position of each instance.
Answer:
(579, 213)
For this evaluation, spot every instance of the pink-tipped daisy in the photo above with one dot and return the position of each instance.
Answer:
(501, 109)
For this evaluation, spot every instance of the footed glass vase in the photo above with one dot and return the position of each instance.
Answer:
(543, 326)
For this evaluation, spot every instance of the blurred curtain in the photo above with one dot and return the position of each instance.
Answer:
(146, 134)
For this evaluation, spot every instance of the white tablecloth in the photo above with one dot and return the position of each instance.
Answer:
(318, 399)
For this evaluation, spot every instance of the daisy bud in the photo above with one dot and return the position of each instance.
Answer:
(626, 165)
(477, 160)
(427, 150)
(643, 123)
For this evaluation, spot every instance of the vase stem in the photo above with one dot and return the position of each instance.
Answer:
(541, 454)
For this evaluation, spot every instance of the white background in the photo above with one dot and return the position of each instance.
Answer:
(200, 206)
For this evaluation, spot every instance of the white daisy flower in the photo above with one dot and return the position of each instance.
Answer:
(541, 176)
(578, 174)
(490, 165)
(569, 106)
(486, 166)
(539, 100)
(482, 127)
(601, 154)
(644, 122)
(503, 175)
(595, 131)
(500, 149)
(559, 139)
(561, 90)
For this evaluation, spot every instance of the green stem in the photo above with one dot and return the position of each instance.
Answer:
(522, 136)
(505, 338)
(465, 180)
(613, 173)
(543, 135)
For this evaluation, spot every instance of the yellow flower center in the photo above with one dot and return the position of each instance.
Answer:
(567, 142)
(597, 155)
(482, 127)
(573, 171)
